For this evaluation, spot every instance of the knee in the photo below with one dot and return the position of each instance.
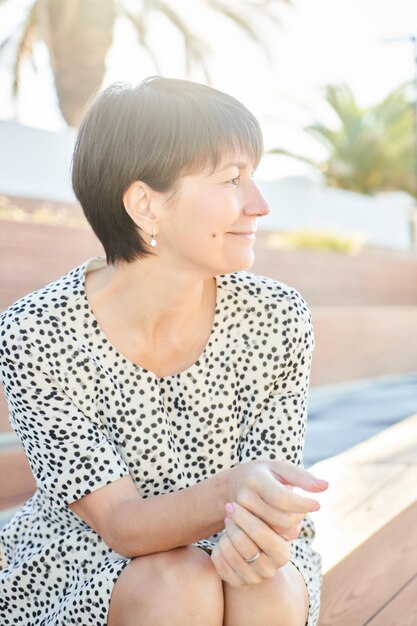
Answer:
(186, 572)
(190, 572)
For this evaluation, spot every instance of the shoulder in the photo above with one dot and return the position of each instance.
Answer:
(265, 294)
(271, 311)
(42, 306)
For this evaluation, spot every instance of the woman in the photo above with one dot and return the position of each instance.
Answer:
(160, 391)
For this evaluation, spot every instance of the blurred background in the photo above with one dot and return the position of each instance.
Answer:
(334, 86)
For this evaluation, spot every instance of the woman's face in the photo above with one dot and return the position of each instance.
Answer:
(209, 212)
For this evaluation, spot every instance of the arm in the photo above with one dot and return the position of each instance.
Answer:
(135, 526)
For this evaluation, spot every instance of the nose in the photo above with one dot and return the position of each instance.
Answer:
(255, 203)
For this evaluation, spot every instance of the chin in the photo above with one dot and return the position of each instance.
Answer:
(242, 264)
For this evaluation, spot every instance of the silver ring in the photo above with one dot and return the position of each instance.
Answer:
(257, 555)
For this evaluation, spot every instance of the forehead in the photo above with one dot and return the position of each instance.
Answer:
(227, 161)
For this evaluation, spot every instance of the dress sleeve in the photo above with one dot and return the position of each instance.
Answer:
(277, 432)
(69, 453)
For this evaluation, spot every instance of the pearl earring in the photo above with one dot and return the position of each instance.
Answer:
(153, 240)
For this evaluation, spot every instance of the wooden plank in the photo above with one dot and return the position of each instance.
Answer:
(365, 529)
(359, 585)
(401, 611)
(383, 492)
(362, 480)
(350, 485)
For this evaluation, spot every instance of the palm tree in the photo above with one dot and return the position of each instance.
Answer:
(372, 149)
(79, 33)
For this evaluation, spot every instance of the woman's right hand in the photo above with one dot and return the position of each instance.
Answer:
(265, 489)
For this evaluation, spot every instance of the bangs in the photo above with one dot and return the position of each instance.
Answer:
(198, 129)
(216, 135)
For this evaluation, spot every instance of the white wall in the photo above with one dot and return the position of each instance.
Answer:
(35, 163)
(299, 202)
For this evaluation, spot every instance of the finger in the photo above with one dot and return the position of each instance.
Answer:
(276, 494)
(263, 481)
(295, 475)
(246, 546)
(271, 515)
(225, 571)
(290, 533)
(249, 574)
(261, 534)
(240, 540)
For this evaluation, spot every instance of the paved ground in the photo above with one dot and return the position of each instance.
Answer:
(341, 416)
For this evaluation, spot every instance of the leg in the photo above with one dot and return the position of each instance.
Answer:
(179, 587)
(278, 601)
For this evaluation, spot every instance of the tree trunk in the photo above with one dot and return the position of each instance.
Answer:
(78, 34)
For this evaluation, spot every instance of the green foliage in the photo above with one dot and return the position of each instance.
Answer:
(372, 149)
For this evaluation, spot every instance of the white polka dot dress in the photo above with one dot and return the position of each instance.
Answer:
(87, 416)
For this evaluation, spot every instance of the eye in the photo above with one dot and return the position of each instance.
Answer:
(234, 179)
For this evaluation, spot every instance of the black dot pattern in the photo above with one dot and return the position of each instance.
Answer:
(87, 416)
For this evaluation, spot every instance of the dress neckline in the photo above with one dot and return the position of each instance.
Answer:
(101, 338)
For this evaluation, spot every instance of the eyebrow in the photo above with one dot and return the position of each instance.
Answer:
(240, 165)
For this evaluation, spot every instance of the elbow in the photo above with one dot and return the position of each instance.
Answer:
(121, 534)
(114, 541)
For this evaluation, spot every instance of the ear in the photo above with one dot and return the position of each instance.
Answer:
(139, 200)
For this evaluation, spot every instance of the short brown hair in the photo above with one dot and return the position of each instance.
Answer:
(156, 132)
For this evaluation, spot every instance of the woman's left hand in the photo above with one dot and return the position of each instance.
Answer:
(245, 534)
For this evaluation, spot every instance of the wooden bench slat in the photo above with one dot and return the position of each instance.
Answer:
(366, 528)
(342, 531)
(358, 481)
(356, 588)
(401, 611)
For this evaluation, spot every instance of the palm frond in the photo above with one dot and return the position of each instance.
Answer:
(6, 41)
(326, 136)
(195, 49)
(16, 28)
(267, 8)
(244, 22)
(138, 23)
(342, 100)
(25, 46)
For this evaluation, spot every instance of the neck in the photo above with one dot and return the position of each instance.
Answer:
(153, 302)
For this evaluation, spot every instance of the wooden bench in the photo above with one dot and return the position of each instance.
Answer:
(367, 531)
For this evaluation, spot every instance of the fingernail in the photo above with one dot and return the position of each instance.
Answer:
(229, 508)
(320, 481)
(316, 507)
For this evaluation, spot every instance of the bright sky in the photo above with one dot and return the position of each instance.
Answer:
(320, 41)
